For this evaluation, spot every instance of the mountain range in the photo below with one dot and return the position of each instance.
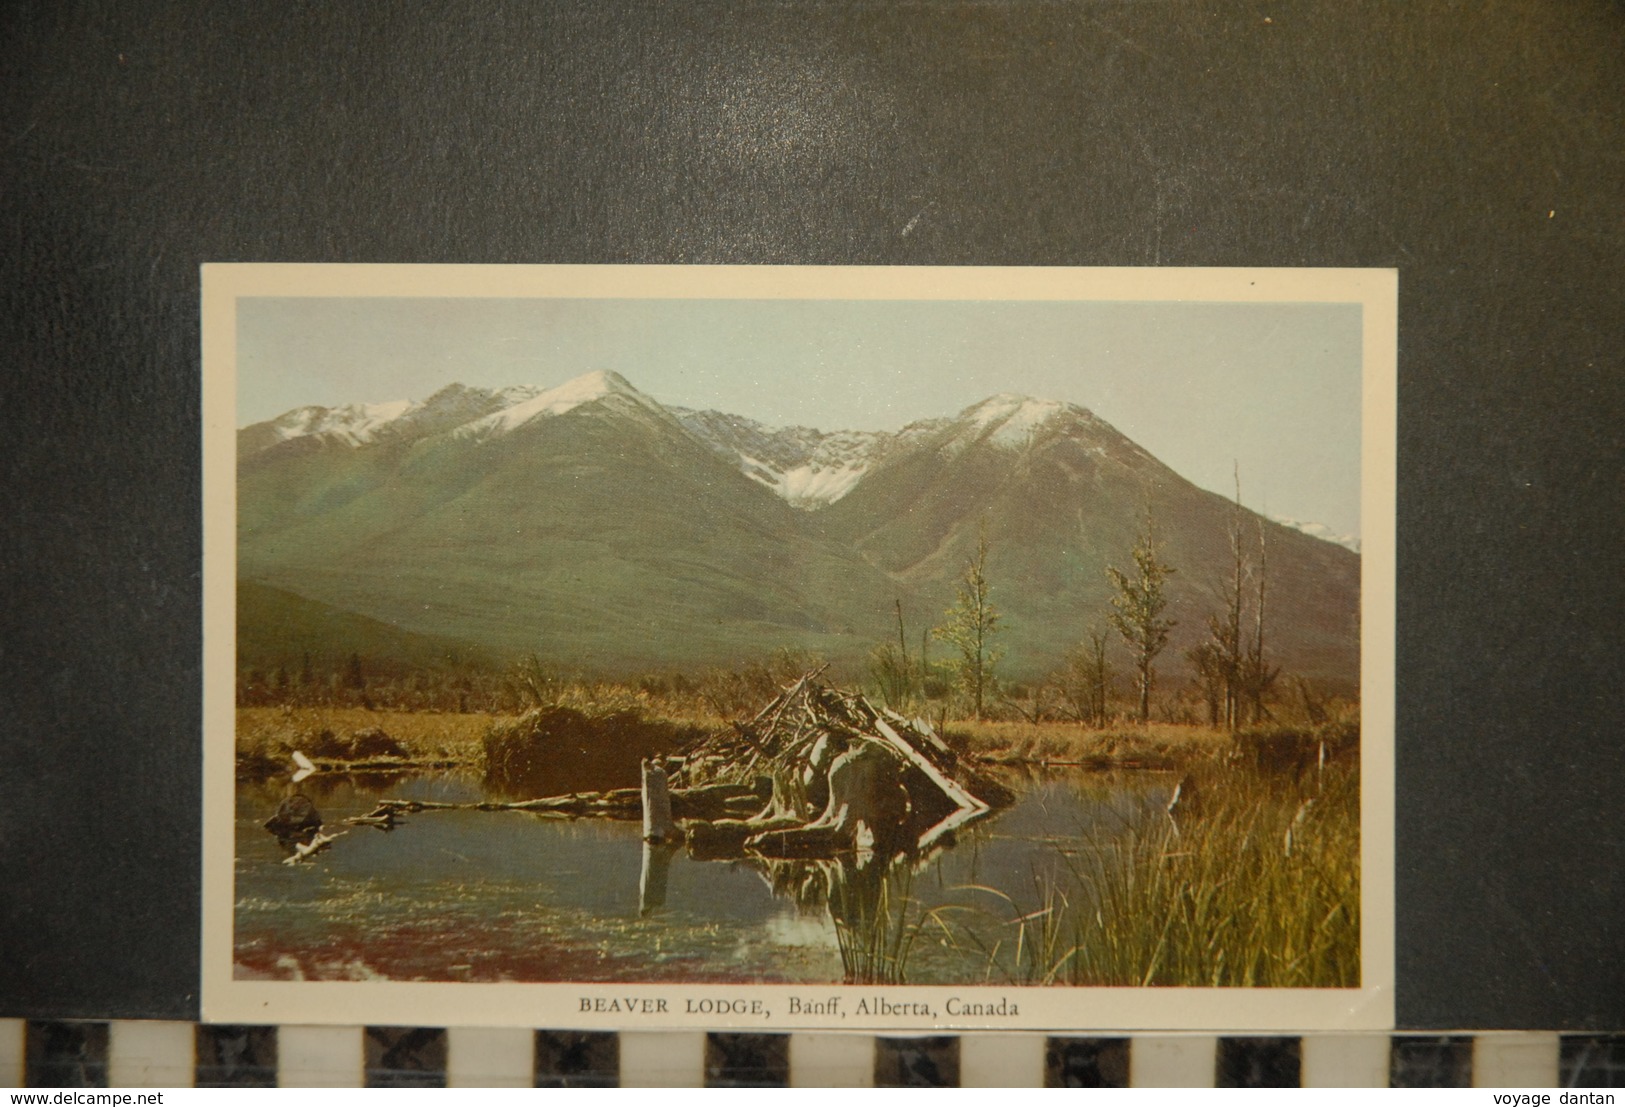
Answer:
(591, 524)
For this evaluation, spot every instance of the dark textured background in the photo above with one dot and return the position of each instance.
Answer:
(1433, 137)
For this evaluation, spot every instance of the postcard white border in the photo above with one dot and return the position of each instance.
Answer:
(1369, 1007)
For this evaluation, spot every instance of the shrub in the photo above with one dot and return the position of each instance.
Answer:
(1294, 751)
(374, 742)
(563, 749)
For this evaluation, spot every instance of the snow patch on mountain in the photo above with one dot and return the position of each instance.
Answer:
(1009, 419)
(397, 420)
(513, 394)
(352, 423)
(805, 486)
(451, 407)
(1321, 531)
(806, 468)
(588, 388)
(810, 468)
(478, 413)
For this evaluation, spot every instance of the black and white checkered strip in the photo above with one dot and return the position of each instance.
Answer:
(173, 1054)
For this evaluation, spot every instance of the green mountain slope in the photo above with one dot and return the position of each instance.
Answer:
(277, 627)
(606, 536)
(1061, 503)
(590, 526)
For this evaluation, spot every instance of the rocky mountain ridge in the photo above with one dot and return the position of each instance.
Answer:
(591, 519)
(806, 467)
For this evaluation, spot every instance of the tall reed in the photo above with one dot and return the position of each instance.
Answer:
(1253, 882)
(1257, 887)
(877, 920)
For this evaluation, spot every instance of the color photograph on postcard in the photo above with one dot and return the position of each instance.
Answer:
(929, 647)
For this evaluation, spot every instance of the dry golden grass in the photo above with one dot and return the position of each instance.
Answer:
(1060, 743)
(275, 731)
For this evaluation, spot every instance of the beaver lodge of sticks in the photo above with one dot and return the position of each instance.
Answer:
(837, 774)
(818, 773)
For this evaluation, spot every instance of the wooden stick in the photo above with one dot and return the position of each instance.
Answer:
(303, 851)
(969, 806)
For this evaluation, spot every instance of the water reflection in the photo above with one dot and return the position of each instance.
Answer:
(656, 872)
(503, 895)
(868, 901)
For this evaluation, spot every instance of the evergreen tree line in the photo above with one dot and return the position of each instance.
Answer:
(531, 681)
(314, 680)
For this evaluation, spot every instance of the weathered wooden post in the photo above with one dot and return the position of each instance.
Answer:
(657, 821)
(652, 880)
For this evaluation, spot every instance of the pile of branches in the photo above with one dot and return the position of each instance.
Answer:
(792, 742)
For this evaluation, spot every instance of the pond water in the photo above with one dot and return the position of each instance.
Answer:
(511, 896)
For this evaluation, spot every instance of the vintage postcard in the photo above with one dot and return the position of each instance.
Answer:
(788, 647)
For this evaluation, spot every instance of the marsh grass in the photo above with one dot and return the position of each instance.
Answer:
(873, 928)
(1255, 885)
(1023, 947)
(1152, 745)
(1258, 889)
(879, 922)
(267, 736)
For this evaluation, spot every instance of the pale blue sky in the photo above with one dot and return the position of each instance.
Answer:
(1273, 387)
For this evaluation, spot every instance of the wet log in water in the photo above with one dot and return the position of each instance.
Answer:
(719, 838)
(304, 851)
(619, 803)
(711, 802)
(966, 806)
(384, 821)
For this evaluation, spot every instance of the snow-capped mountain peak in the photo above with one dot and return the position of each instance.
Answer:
(601, 384)
(352, 423)
(810, 468)
(458, 408)
(805, 467)
(1009, 419)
